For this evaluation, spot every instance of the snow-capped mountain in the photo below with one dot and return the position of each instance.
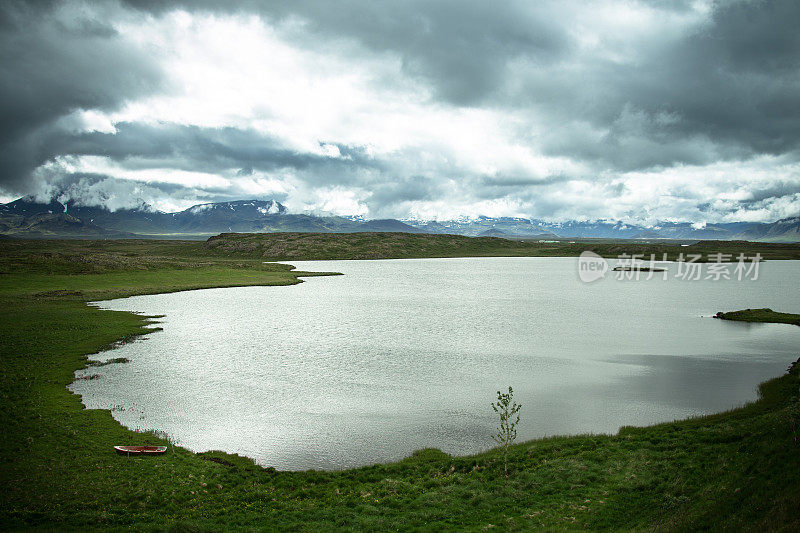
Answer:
(786, 230)
(506, 226)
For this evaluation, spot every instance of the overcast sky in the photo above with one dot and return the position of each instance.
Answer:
(640, 111)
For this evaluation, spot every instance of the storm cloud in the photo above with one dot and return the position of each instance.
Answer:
(642, 111)
(58, 60)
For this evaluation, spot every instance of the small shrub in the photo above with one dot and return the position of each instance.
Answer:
(509, 418)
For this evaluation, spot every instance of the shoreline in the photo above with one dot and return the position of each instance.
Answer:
(344, 469)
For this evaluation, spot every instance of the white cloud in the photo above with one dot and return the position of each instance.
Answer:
(447, 210)
(89, 164)
(334, 200)
(87, 121)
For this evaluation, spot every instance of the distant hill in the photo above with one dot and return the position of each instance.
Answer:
(685, 230)
(488, 226)
(784, 230)
(494, 233)
(529, 228)
(24, 220)
(58, 226)
(396, 245)
(388, 224)
(385, 245)
(503, 235)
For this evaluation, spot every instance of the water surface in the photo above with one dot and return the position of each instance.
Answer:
(399, 355)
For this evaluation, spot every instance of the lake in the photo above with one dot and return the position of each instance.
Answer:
(398, 355)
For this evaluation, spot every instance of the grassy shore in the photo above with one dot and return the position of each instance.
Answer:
(737, 470)
(300, 246)
(760, 315)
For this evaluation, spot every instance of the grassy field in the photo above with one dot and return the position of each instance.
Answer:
(299, 246)
(738, 470)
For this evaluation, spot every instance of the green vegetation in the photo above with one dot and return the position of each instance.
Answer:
(760, 315)
(508, 411)
(738, 470)
(303, 246)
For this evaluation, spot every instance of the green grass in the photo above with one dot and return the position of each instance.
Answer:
(760, 315)
(738, 470)
(300, 246)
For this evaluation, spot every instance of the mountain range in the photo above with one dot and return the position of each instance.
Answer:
(26, 218)
(785, 230)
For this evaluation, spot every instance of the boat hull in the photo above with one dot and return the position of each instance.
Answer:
(140, 450)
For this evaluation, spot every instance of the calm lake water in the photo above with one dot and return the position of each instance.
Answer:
(400, 355)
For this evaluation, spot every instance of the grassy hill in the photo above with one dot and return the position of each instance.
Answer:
(388, 245)
(738, 470)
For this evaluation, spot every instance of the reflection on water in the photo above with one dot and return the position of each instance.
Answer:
(399, 355)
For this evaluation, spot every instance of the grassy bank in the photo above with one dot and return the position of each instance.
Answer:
(760, 315)
(736, 470)
(300, 246)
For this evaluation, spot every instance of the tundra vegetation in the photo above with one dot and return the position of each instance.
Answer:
(300, 246)
(738, 470)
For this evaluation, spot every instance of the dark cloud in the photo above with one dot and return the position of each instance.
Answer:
(737, 81)
(140, 146)
(207, 150)
(462, 49)
(409, 189)
(507, 181)
(55, 60)
(730, 89)
(186, 147)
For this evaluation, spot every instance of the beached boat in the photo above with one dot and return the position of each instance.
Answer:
(140, 450)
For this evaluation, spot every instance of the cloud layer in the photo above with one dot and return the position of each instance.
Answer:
(642, 111)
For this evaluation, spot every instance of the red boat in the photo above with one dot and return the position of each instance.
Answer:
(140, 450)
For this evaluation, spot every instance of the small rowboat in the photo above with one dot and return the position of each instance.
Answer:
(140, 450)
